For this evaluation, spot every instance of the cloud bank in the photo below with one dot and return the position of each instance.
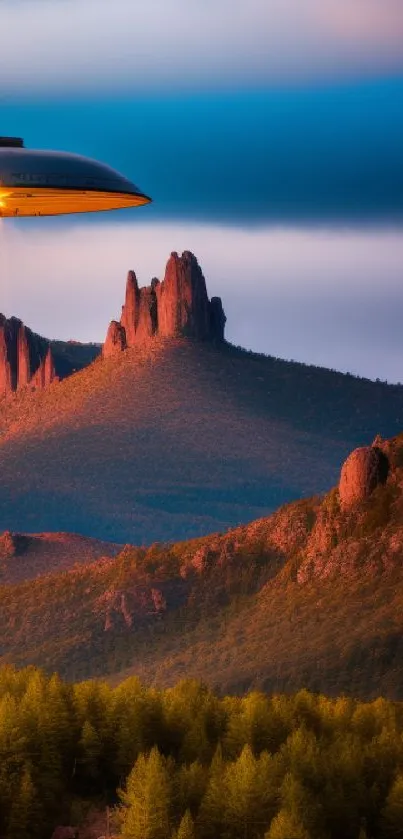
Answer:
(88, 45)
(332, 298)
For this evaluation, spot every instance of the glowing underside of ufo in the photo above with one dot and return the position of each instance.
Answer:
(49, 183)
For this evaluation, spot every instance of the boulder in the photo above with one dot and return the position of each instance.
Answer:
(364, 469)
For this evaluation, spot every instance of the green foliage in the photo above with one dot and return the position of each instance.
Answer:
(286, 826)
(186, 829)
(392, 816)
(190, 765)
(147, 799)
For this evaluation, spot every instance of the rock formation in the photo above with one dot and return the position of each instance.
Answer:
(177, 306)
(115, 340)
(25, 358)
(364, 469)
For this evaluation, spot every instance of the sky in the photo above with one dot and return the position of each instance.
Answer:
(269, 134)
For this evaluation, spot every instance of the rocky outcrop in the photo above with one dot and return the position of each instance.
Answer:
(342, 538)
(46, 372)
(362, 472)
(138, 603)
(25, 358)
(115, 340)
(182, 302)
(217, 318)
(176, 307)
(139, 313)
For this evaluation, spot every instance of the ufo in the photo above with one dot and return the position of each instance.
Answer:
(50, 183)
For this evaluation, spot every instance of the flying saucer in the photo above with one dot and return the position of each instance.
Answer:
(50, 183)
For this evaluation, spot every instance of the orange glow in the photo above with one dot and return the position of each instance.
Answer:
(3, 196)
(21, 201)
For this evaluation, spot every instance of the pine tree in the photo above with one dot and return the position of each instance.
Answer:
(23, 819)
(392, 817)
(286, 826)
(190, 786)
(186, 829)
(147, 799)
(89, 749)
(211, 813)
(242, 804)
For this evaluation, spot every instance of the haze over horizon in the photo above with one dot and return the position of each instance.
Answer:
(271, 148)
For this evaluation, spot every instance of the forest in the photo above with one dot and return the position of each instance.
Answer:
(185, 763)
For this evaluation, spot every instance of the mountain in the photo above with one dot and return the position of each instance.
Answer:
(174, 433)
(310, 596)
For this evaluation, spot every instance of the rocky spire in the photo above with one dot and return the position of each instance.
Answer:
(115, 340)
(25, 358)
(46, 372)
(177, 306)
(130, 310)
(5, 367)
(182, 301)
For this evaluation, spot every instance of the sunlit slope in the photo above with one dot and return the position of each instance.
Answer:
(25, 556)
(179, 439)
(310, 596)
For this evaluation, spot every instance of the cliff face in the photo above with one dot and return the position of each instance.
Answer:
(25, 358)
(177, 306)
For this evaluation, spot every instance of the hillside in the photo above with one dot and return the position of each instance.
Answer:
(310, 596)
(172, 433)
(178, 439)
(25, 556)
(70, 356)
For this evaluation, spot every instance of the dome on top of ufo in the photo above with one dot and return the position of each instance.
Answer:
(47, 183)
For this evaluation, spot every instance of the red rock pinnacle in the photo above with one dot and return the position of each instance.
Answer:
(115, 340)
(177, 306)
(25, 358)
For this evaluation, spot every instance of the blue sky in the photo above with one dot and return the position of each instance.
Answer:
(270, 137)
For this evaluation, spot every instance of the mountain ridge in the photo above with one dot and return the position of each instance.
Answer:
(307, 597)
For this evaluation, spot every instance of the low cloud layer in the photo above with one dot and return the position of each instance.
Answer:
(82, 45)
(332, 298)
